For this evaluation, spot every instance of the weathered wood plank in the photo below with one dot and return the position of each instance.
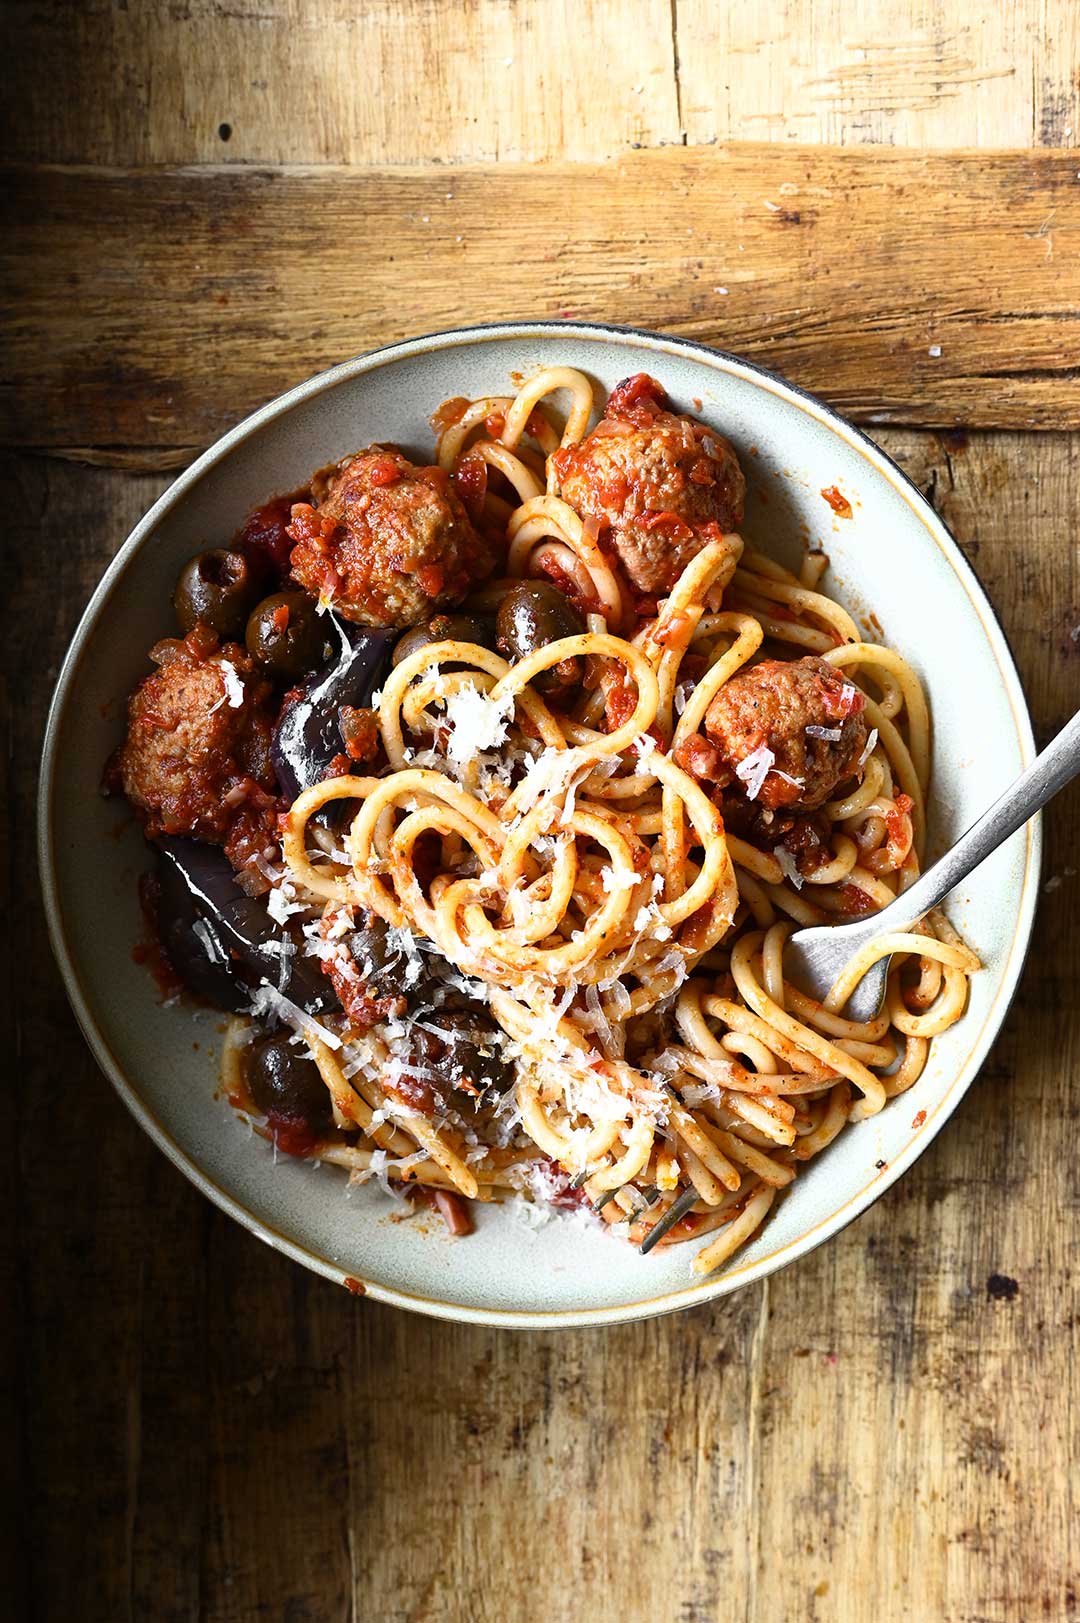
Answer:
(152, 309)
(408, 81)
(938, 74)
(211, 1433)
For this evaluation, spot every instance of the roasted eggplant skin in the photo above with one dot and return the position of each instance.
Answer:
(222, 943)
(307, 738)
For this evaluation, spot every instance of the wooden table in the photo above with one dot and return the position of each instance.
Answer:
(210, 201)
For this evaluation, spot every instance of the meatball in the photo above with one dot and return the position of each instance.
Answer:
(661, 484)
(770, 708)
(387, 543)
(198, 741)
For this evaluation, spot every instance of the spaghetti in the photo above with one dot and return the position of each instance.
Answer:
(572, 860)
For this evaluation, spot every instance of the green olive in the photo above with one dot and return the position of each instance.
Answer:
(532, 615)
(283, 1081)
(445, 628)
(285, 634)
(216, 589)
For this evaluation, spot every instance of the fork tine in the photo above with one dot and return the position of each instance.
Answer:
(675, 1211)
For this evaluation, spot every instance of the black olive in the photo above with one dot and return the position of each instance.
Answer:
(462, 1049)
(286, 635)
(532, 615)
(223, 943)
(444, 628)
(284, 1081)
(381, 960)
(308, 735)
(217, 589)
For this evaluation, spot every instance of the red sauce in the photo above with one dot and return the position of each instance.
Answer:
(838, 502)
(449, 413)
(584, 602)
(471, 482)
(360, 731)
(920, 1117)
(841, 700)
(633, 392)
(494, 425)
(384, 471)
(432, 578)
(201, 641)
(355, 1287)
(291, 1134)
(856, 900)
(620, 699)
(700, 757)
(896, 819)
(436, 477)
(264, 531)
(666, 521)
(149, 951)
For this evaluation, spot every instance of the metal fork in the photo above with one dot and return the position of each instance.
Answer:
(815, 958)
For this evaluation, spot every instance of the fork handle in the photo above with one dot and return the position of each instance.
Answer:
(1058, 764)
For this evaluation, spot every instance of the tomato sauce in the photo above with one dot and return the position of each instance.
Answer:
(837, 501)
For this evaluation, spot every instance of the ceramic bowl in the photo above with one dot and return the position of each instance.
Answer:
(893, 557)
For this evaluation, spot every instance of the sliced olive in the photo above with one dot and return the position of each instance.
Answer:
(381, 960)
(283, 1081)
(286, 635)
(445, 628)
(532, 615)
(217, 589)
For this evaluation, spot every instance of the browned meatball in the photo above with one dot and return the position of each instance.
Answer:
(769, 708)
(387, 542)
(662, 484)
(198, 741)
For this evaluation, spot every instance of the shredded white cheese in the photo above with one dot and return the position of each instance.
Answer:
(871, 745)
(787, 866)
(234, 686)
(754, 768)
(833, 735)
(266, 999)
(476, 722)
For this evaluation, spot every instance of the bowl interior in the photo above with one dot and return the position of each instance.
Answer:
(891, 558)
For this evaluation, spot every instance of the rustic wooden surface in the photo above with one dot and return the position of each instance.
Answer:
(909, 287)
(888, 1430)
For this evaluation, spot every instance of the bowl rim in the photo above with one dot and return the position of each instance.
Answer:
(603, 333)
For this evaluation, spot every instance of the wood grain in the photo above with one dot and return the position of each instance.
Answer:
(937, 74)
(883, 1432)
(154, 308)
(410, 81)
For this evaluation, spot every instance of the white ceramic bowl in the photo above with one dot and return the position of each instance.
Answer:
(894, 557)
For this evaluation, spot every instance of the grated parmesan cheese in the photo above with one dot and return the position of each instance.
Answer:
(234, 686)
(754, 768)
(476, 722)
(871, 745)
(788, 867)
(832, 734)
(266, 999)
